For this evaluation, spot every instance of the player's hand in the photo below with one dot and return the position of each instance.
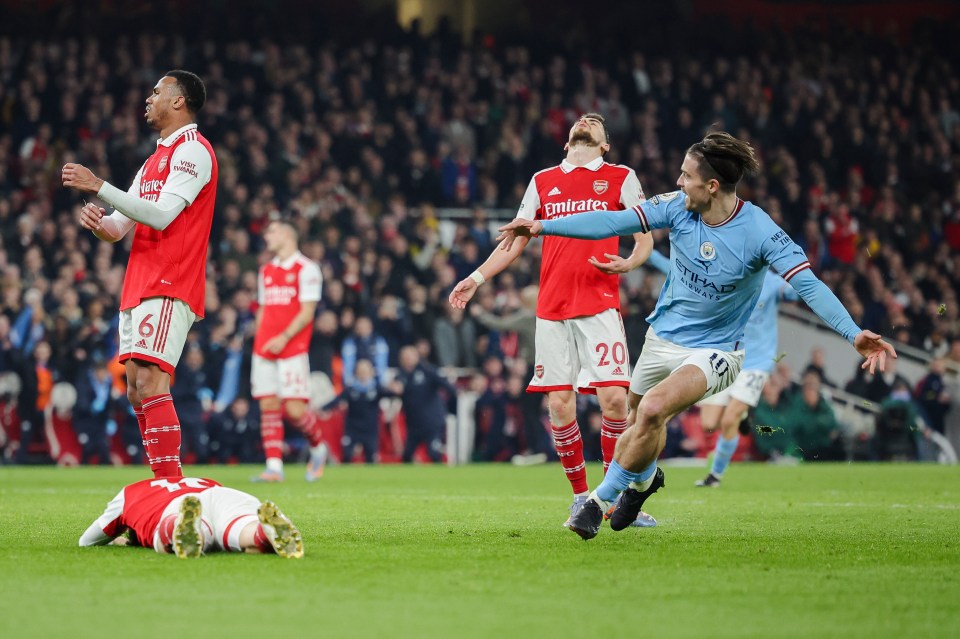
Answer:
(518, 228)
(614, 266)
(90, 216)
(80, 178)
(874, 349)
(276, 344)
(463, 292)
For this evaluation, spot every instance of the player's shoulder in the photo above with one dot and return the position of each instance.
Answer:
(550, 170)
(618, 169)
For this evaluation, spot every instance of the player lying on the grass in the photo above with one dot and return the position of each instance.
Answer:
(720, 250)
(189, 516)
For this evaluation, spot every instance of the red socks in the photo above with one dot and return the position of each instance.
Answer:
(309, 425)
(161, 435)
(610, 432)
(569, 447)
(261, 542)
(271, 432)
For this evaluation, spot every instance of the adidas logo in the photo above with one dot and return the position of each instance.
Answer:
(617, 371)
(141, 344)
(554, 191)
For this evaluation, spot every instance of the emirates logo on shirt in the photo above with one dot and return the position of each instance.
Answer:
(600, 186)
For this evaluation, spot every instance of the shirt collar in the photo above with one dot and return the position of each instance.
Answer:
(592, 165)
(170, 139)
(287, 263)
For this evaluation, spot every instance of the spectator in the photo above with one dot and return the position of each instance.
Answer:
(933, 396)
(361, 401)
(93, 413)
(813, 424)
(363, 343)
(454, 339)
(773, 437)
(896, 426)
(419, 386)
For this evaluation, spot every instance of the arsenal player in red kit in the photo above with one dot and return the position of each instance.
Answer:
(289, 289)
(170, 204)
(189, 516)
(580, 341)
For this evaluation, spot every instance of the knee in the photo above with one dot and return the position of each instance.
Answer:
(562, 407)
(294, 410)
(652, 413)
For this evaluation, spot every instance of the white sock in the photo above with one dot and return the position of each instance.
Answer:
(604, 505)
(319, 449)
(642, 485)
(275, 464)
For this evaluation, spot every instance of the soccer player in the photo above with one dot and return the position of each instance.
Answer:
(189, 516)
(720, 250)
(171, 205)
(580, 342)
(730, 406)
(289, 289)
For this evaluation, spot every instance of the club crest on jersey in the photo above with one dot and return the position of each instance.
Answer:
(600, 186)
(162, 165)
(707, 251)
(538, 371)
(290, 278)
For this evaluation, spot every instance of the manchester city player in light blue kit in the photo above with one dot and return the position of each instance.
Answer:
(720, 250)
(727, 408)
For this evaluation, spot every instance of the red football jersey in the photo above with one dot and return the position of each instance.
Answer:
(139, 506)
(173, 262)
(569, 286)
(283, 286)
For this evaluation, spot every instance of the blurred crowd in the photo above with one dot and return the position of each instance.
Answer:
(366, 144)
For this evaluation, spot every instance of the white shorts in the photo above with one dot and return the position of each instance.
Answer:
(287, 378)
(224, 513)
(155, 331)
(582, 354)
(660, 358)
(747, 388)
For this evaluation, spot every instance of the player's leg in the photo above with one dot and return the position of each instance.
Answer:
(183, 529)
(656, 362)
(125, 345)
(712, 411)
(743, 395)
(605, 369)
(265, 388)
(159, 326)
(294, 373)
(555, 373)
(241, 523)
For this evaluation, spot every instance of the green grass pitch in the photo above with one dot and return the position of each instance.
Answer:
(479, 551)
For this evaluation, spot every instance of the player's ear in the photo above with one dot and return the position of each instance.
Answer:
(604, 148)
(566, 146)
(713, 185)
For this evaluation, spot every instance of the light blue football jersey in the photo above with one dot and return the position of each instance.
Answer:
(760, 335)
(716, 272)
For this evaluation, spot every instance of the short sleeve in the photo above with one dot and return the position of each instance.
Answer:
(631, 193)
(190, 170)
(311, 282)
(530, 203)
(109, 521)
(261, 289)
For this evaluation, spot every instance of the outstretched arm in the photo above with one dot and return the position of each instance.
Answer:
(499, 260)
(592, 225)
(826, 305)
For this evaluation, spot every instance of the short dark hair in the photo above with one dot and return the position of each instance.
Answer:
(725, 159)
(286, 221)
(599, 118)
(191, 87)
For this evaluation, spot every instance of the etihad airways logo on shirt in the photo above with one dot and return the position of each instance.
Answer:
(566, 207)
(704, 286)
